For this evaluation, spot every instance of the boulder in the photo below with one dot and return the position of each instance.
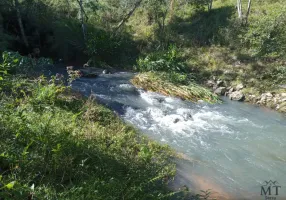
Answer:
(239, 87)
(106, 71)
(220, 91)
(231, 90)
(282, 107)
(215, 87)
(281, 97)
(265, 98)
(252, 98)
(210, 83)
(220, 83)
(237, 96)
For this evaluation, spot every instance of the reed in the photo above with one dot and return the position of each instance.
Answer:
(157, 82)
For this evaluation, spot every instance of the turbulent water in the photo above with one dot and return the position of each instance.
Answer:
(231, 148)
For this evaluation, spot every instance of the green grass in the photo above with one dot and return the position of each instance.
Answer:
(55, 144)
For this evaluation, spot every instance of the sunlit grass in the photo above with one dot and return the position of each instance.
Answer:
(157, 82)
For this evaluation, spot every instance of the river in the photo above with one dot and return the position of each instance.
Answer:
(231, 148)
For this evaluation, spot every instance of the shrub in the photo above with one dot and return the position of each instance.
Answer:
(14, 63)
(265, 34)
(277, 75)
(103, 46)
(168, 61)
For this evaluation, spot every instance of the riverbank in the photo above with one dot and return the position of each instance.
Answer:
(239, 76)
(57, 144)
(184, 72)
(234, 90)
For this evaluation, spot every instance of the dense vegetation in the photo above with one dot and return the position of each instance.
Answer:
(56, 144)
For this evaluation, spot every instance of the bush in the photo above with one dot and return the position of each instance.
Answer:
(266, 32)
(103, 46)
(276, 75)
(168, 61)
(14, 63)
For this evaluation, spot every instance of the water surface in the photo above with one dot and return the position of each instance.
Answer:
(231, 148)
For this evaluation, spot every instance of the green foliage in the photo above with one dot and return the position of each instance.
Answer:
(276, 75)
(50, 151)
(56, 145)
(12, 63)
(265, 34)
(45, 93)
(168, 61)
(177, 78)
(105, 46)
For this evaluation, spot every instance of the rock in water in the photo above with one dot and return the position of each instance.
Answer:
(220, 91)
(106, 71)
(237, 96)
(188, 116)
(176, 120)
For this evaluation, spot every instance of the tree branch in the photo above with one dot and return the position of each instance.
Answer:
(137, 4)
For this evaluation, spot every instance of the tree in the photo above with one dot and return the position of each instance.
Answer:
(19, 18)
(248, 11)
(239, 8)
(172, 5)
(210, 5)
(129, 14)
(82, 19)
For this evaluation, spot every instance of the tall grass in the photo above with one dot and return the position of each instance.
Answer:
(55, 145)
(168, 85)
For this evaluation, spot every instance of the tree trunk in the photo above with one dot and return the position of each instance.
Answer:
(239, 8)
(248, 11)
(82, 20)
(210, 5)
(172, 5)
(137, 4)
(19, 18)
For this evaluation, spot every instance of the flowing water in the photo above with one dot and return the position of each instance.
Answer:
(231, 148)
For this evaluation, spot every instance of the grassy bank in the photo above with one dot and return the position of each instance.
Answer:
(56, 144)
(216, 44)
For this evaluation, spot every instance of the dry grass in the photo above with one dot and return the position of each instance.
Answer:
(154, 82)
